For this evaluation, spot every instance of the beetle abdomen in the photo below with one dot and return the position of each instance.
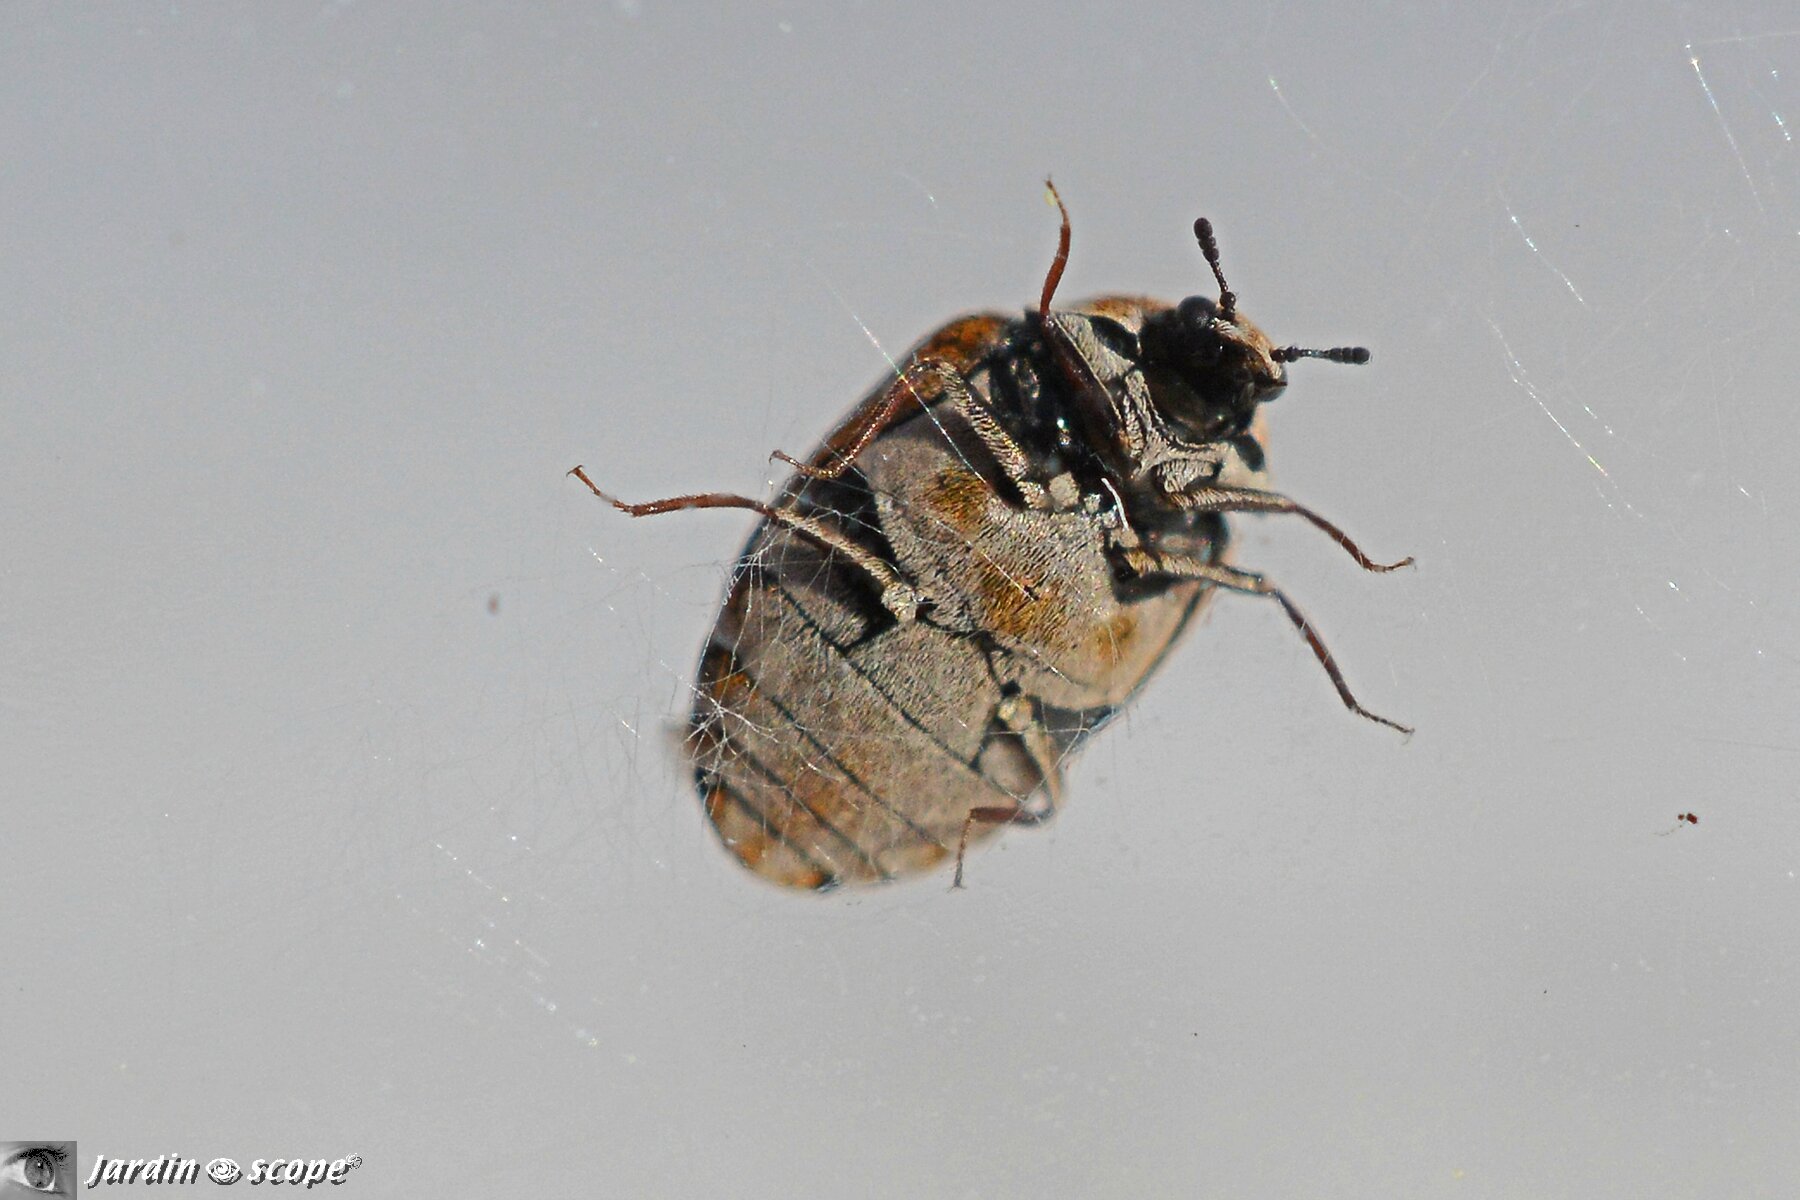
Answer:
(824, 759)
(834, 742)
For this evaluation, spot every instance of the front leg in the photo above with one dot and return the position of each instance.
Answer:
(1209, 499)
(1152, 563)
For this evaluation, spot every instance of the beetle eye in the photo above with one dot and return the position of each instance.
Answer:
(1184, 339)
(1197, 311)
(1202, 380)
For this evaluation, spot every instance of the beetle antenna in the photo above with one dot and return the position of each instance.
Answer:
(1357, 355)
(1209, 246)
(1061, 260)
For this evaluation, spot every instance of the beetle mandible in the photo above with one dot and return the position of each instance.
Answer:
(976, 570)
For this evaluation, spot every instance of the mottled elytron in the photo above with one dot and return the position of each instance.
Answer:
(975, 571)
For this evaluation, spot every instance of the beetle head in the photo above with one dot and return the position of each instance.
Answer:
(1208, 366)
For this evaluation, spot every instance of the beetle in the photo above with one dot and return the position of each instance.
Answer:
(976, 571)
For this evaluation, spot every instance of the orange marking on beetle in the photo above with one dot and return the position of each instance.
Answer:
(731, 690)
(960, 498)
(717, 805)
(742, 833)
(809, 879)
(1112, 639)
(1123, 307)
(963, 341)
(1032, 610)
(724, 679)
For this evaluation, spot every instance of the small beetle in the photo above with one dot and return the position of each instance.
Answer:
(976, 571)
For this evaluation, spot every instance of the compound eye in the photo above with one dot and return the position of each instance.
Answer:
(1197, 311)
(1198, 345)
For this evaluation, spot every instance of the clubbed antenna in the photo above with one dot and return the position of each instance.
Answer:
(1337, 354)
(1209, 246)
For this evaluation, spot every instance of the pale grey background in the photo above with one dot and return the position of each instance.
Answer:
(311, 306)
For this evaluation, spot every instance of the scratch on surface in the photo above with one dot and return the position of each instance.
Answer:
(1533, 247)
(1304, 128)
(1519, 377)
(1786, 134)
(1724, 126)
(920, 184)
(1745, 39)
(1350, 162)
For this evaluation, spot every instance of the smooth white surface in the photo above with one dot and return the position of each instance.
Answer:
(312, 852)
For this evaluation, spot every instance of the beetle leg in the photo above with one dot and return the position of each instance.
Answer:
(1224, 500)
(1005, 452)
(1020, 716)
(844, 446)
(871, 420)
(1150, 562)
(897, 595)
(999, 814)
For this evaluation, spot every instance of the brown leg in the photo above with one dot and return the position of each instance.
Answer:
(897, 596)
(1020, 715)
(875, 416)
(1148, 562)
(1223, 500)
(997, 815)
(871, 420)
(1055, 274)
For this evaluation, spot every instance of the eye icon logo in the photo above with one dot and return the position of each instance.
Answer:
(223, 1170)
